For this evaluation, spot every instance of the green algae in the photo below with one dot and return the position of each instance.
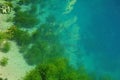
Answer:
(25, 19)
(4, 61)
(59, 69)
(18, 35)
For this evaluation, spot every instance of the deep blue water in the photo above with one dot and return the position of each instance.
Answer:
(99, 22)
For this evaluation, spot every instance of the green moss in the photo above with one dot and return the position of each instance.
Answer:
(4, 61)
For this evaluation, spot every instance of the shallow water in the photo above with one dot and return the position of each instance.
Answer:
(88, 32)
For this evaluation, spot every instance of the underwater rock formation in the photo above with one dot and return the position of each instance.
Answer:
(5, 9)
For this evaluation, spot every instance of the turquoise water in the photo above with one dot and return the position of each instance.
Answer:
(86, 33)
(99, 35)
(98, 44)
(99, 32)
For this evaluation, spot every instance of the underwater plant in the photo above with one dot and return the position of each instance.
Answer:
(24, 2)
(1, 78)
(46, 32)
(3, 35)
(58, 69)
(4, 61)
(18, 35)
(8, 3)
(25, 19)
(27, 2)
(17, 8)
(42, 51)
(8, 0)
(33, 9)
(4, 46)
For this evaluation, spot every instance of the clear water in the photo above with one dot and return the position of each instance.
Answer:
(89, 33)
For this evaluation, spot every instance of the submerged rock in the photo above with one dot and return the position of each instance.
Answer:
(5, 9)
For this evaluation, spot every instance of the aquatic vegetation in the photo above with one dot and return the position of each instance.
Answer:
(33, 9)
(4, 46)
(9, 0)
(33, 75)
(25, 19)
(18, 35)
(4, 61)
(1, 78)
(3, 35)
(46, 32)
(26, 2)
(45, 45)
(9, 3)
(17, 8)
(58, 69)
(42, 51)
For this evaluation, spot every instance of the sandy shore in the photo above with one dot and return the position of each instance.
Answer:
(16, 67)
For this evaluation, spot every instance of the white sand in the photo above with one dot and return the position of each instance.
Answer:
(16, 67)
(5, 22)
(6, 19)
